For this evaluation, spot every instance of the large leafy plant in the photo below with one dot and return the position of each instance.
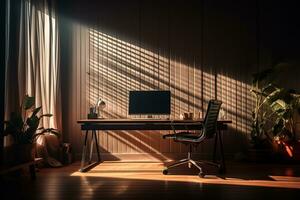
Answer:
(23, 125)
(260, 80)
(283, 104)
(275, 106)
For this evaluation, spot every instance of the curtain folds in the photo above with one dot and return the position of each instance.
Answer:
(37, 51)
(32, 65)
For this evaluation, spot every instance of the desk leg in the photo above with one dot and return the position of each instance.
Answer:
(215, 147)
(91, 148)
(84, 152)
(223, 169)
(97, 146)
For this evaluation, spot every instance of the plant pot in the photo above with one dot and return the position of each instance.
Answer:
(260, 151)
(24, 153)
(259, 155)
(8, 155)
(19, 153)
(288, 150)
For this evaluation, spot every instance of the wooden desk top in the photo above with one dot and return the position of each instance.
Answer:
(129, 121)
(145, 124)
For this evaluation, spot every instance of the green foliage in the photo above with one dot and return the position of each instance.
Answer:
(28, 102)
(275, 107)
(43, 130)
(23, 128)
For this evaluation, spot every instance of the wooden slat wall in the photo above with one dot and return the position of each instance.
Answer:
(198, 50)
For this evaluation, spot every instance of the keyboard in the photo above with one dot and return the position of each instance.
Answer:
(142, 118)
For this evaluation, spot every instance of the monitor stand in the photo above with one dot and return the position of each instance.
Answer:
(149, 117)
(152, 117)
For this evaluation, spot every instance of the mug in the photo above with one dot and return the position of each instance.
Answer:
(187, 116)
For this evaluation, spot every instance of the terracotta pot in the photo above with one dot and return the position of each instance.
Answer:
(289, 150)
(24, 152)
(9, 155)
(19, 153)
(259, 155)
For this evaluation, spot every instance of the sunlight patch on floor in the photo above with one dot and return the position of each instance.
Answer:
(153, 172)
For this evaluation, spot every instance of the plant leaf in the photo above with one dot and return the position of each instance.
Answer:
(54, 132)
(278, 106)
(36, 110)
(28, 102)
(255, 91)
(269, 88)
(273, 96)
(262, 76)
(33, 122)
(15, 124)
(49, 130)
(278, 127)
(46, 115)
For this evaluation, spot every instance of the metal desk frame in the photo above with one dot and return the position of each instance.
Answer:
(94, 125)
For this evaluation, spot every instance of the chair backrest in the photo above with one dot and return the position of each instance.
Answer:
(211, 118)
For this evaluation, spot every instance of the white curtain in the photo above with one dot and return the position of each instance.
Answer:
(36, 49)
(37, 71)
(42, 59)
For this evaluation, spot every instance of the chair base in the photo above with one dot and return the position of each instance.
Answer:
(191, 162)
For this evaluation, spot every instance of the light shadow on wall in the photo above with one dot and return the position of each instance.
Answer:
(115, 67)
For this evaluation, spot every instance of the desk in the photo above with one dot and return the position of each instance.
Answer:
(141, 124)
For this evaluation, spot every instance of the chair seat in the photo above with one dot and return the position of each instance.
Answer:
(183, 136)
(208, 130)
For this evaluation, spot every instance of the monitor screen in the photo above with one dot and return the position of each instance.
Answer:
(149, 102)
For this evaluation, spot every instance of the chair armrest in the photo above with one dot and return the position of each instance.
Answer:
(181, 135)
(172, 136)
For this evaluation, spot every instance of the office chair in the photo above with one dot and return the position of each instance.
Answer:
(208, 130)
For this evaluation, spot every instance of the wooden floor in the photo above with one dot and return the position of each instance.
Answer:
(144, 180)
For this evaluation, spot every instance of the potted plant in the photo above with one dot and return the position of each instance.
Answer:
(260, 139)
(274, 111)
(284, 104)
(23, 127)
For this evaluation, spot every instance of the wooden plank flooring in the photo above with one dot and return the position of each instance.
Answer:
(144, 180)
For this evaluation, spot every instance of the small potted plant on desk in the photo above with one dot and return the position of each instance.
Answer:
(23, 127)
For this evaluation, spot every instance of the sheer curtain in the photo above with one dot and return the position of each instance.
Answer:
(34, 44)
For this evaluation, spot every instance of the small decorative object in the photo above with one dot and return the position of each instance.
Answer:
(181, 116)
(199, 115)
(190, 116)
(100, 107)
(93, 114)
(222, 114)
(187, 116)
(67, 153)
(95, 111)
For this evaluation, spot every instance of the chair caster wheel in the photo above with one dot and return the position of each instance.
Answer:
(201, 175)
(165, 171)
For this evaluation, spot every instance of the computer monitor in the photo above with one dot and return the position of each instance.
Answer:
(149, 102)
